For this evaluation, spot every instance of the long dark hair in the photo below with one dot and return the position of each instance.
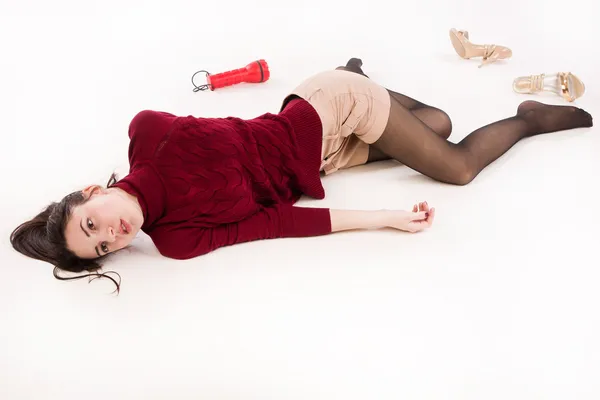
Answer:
(43, 238)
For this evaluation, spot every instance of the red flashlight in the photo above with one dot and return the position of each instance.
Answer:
(255, 72)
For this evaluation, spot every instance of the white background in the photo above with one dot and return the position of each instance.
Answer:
(499, 300)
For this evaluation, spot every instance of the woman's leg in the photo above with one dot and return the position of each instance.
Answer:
(410, 141)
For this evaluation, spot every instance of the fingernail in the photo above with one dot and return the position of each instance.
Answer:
(426, 215)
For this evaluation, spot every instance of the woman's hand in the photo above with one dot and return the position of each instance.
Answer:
(420, 218)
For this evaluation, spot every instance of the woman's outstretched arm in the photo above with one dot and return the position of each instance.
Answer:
(420, 218)
(184, 242)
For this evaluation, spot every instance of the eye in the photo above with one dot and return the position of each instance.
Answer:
(104, 247)
(90, 224)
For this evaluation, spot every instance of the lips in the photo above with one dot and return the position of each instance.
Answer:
(125, 227)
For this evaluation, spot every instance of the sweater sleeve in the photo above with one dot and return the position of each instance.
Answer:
(188, 241)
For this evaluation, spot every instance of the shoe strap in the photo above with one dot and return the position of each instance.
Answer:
(465, 34)
(564, 86)
(537, 82)
(488, 51)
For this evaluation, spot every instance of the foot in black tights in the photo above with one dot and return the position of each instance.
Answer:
(354, 65)
(545, 118)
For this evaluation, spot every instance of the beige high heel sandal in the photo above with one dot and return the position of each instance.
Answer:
(465, 49)
(564, 84)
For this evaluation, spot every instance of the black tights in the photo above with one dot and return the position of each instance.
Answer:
(416, 135)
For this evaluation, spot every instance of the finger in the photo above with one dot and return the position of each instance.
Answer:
(431, 216)
(419, 216)
(415, 208)
(424, 223)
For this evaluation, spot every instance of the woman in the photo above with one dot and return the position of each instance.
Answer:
(198, 184)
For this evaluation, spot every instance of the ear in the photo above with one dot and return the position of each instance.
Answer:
(91, 190)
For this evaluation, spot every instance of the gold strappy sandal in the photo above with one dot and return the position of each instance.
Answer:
(489, 52)
(564, 84)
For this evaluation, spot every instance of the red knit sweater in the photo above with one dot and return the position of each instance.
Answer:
(205, 183)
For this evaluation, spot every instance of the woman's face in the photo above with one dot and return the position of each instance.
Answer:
(107, 222)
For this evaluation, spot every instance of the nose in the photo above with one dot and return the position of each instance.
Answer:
(111, 236)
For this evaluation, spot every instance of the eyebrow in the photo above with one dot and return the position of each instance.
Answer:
(81, 225)
(88, 235)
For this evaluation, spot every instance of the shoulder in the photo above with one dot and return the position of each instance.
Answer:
(146, 130)
(149, 122)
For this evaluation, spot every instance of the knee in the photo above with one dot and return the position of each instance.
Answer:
(436, 119)
(463, 178)
(463, 173)
(443, 124)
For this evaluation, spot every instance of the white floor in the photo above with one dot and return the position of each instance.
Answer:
(499, 300)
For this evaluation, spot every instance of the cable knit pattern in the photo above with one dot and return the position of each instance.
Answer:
(205, 183)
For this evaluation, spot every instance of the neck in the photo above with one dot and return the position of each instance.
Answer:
(128, 196)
